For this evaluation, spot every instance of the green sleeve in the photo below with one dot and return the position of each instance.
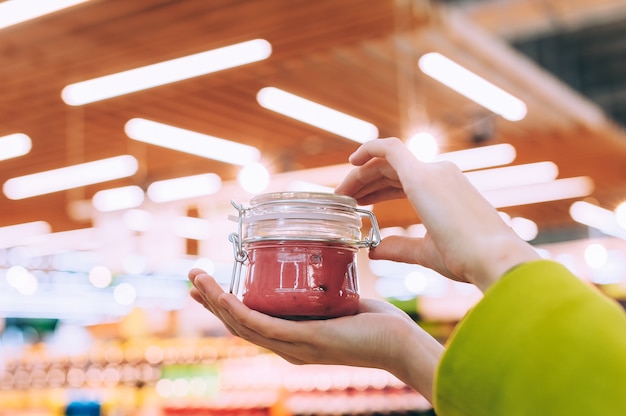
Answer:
(540, 342)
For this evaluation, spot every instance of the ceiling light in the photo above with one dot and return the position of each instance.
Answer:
(192, 142)
(596, 255)
(138, 219)
(166, 72)
(70, 177)
(254, 178)
(125, 294)
(472, 86)
(118, 198)
(14, 145)
(424, 146)
(14, 12)
(184, 188)
(317, 115)
(100, 276)
(306, 186)
(19, 234)
(22, 280)
(541, 192)
(525, 228)
(597, 217)
(480, 157)
(192, 228)
(620, 214)
(512, 176)
(65, 241)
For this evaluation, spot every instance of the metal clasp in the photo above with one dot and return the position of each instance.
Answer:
(374, 235)
(238, 252)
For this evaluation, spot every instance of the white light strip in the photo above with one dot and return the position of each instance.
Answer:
(19, 234)
(481, 157)
(14, 145)
(542, 192)
(116, 199)
(82, 239)
(191, 228)
(70, 177)
(18, 11)
(597, 217)
(317, 115)
(184, 188)
(472, 86)
(306, 186)
(191, 142)
(166, 72)
(513, 176)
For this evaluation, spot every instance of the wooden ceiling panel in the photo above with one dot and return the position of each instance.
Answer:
(358, 56)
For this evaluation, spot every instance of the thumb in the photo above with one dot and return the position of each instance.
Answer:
(397, 248)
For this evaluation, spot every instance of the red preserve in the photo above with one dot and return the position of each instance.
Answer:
(299, 253)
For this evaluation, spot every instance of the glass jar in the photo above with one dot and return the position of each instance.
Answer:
(298, 250)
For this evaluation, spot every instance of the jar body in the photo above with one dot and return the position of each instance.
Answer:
(301, 279)
(299, 250)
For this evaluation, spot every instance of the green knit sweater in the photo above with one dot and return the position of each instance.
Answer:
(540, 342)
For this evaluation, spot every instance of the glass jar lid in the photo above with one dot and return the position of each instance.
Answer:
(307, 216)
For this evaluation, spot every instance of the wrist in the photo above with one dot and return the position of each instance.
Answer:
(417, 366)
(505, 255)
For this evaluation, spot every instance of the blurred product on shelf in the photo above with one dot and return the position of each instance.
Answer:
(192, 376)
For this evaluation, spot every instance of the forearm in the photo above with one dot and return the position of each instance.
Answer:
(415, 359)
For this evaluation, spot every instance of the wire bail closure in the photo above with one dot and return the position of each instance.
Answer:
(241, 255)
(238, 252)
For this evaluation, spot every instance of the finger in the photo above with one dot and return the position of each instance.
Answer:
(193, 273)
(371, 178)
(208, 287)
(373, 196)
(376, 148)
(397, 248)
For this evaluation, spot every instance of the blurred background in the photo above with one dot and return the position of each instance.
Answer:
(128, 127)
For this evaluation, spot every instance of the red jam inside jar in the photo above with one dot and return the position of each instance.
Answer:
(301, 280)
(299, 250)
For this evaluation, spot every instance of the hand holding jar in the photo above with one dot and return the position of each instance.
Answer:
(379, 335)
(466, 239)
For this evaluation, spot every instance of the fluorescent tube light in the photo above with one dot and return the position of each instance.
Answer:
(254, 178)
(14, 145)
(70, 177)
(480, 157)
(20, 234)
(138, 219)
(541, 192)
(424, 146)
(192, 228)
(191, 142)
(512, 176)
(472, 86)
(317, 115)
(18, 11)
(597, 217)
(166, 72)
(620, 214)
(306, 186)
(80, 240)
(185, 187)
(116, 199)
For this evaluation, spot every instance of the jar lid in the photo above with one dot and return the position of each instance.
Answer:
(314, 216)
(322, 198)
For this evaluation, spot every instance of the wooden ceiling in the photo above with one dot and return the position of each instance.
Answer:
(357, 56)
